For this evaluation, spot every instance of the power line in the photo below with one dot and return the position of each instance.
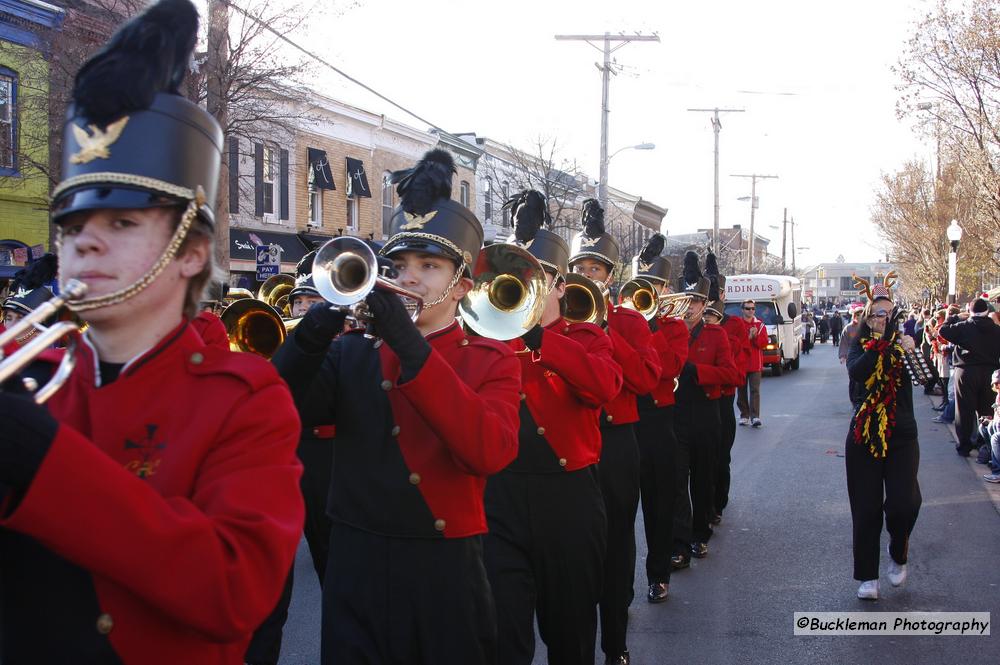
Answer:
(330, 65)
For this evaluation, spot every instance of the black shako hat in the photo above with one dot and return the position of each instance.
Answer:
(25, 301)
(130, 139)
(649, 264)
(594, 242)
(304, 285)
(427, 220)
(717, 286)
(530, 212)
(691, 281)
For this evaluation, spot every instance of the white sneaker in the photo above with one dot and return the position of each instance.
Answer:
(756, 422)
(868, 590)
(897, 571)
(744, 422)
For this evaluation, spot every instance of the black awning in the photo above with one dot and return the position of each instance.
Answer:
(357, 180)
(320, 165)
(243, 241)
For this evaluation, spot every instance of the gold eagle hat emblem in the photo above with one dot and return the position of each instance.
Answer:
(588, 242)
(417, 221)
(645, 267)
(94, 144)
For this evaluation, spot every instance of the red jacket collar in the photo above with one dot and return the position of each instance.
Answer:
(181, 338)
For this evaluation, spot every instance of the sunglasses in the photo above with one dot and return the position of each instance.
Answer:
(879, 315)
(748, 309)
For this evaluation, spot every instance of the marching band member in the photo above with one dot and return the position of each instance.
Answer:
(708, 367)
(423, 414)
(739, 345)
(595, 253)
(150, 513)
(655, 429)
(548, 530)
(207, 323)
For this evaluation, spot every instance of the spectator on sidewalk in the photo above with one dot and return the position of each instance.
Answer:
(748, 397)
(989, 430)
(975, 357)
(836, 327)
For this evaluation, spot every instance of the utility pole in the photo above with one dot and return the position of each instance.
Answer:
(716, 126)
(784, 232)
(792, 222)
(754, 177)
(606, 71)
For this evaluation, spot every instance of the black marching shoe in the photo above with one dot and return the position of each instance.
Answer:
(618, 660)
(716, 519)
(680, 561)
(658, 592)
(699, 550)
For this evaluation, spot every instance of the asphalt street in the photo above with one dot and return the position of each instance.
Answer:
(785, 545)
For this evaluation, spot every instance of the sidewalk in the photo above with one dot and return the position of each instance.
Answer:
(992, 489)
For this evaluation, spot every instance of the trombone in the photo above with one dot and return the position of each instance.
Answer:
(586, 300)
(48, 335)
(639, 294)
(508, 295)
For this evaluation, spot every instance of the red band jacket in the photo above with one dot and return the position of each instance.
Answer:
(632, 349)
(162, 523)
(211, 329)
(410, 459)
(755, 356)
(709, 353)
(564, 385)
(670, 339)
(739, 345)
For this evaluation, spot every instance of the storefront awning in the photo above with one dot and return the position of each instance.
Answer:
(357, 180)
(320, 165)
(243, 241)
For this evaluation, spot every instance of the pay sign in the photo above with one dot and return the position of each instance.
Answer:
(268, 261)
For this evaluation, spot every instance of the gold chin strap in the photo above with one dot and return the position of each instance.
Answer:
(447, 291)
(169, 253)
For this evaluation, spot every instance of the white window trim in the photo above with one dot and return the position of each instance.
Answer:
(353, 210)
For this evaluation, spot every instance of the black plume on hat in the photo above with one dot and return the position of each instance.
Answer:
(147, 55)
(712, 272)
(421, 186)
(40, 272)
(692, 272)
(653, 247)
(593, 218)
(305, 264)
(529, 212)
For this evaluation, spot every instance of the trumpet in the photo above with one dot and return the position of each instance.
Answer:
(673, 304)
(586, 301)
(345, 270)
(639, 294)
(508, 295)
(47, 336)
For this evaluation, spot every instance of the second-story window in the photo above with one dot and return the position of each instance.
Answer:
(488, 201)
(352, 214)
(464, 194)
(387, 205)
(8, 119)
(315, 201)
(270, 175)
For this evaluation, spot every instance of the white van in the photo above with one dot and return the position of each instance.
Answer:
(779, 306)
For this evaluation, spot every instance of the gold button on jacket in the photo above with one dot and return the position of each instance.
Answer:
(386, 385)
(439, 525)
(541, 430)
(104, 624)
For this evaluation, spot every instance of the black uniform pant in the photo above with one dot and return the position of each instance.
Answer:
(836, 336)
(882, 486)
(619, 475)
(657, 475)
(412, 601)
(727, 435)
(545, 558)
(265, 645)
(973, 398)
(696, 424)
(317, 464)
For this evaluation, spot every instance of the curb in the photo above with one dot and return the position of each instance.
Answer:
(992, 489)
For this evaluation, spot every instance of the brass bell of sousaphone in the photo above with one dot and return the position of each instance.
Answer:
(586, 301)
(508, 295)
(639, 294)
(345, 270)
(253, 326)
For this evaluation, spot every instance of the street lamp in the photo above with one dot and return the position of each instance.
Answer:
(954, 233)
(602, 185)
